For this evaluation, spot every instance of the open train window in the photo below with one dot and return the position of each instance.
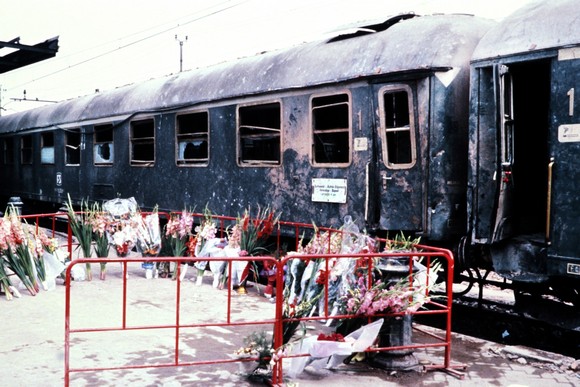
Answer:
(26, 149)
(8, 151)
(259, 138)
(192, 139)
(331, 129)
(73, 147)
(47, 148)
(143, 142)
(103, 149)
(397, 126)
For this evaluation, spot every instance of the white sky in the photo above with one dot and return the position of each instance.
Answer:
(109, 43)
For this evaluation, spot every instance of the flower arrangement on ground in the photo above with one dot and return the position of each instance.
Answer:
(101, 225)
(205, 232)
(250, 235)
(178, 233)
(257, 350)
(82, 228)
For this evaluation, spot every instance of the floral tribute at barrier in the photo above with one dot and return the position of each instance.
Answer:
(356, 286)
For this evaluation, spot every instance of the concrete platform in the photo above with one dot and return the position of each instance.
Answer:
(32, 344)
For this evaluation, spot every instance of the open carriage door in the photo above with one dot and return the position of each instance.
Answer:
(523, 93)
(503, 226)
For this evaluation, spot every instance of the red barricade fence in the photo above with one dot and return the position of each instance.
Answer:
(280, 317)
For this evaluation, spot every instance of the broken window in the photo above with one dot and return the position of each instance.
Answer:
(397, 123)
(192, 138)
(103, 150)
(143, 142)
(73, 147)
(47, 148)
(331, 129)
(259, 128)
(26, 149)
(8, 151)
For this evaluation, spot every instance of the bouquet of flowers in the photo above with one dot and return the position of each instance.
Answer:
(250, 236)
(205, 232)
(178, 233)
(19, 254)
(258, 347)
(50, 258)
(100, 222)
(82, 228)
(148, 234)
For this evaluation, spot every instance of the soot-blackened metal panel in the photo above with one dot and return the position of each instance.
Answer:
(398, 49)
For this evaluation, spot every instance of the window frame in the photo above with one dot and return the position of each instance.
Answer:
(239, 136)
(26, 152)
(97, 129)
(314, 131)
(8, 151)
(183, 137)
(44, 148)
(145, 140)
(411, 128)
(68, 148)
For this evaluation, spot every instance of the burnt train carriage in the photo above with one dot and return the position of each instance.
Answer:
(524, 180)
(371, 124)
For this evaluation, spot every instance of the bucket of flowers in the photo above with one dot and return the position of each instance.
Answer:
(254, 357)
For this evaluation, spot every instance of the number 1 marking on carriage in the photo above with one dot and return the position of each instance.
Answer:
(571, 102)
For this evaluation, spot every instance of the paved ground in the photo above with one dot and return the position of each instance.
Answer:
(32, 345)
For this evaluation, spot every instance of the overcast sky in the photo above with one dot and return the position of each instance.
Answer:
(110, 43)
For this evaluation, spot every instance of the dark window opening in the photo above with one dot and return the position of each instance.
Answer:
(73, 147)
(103, 150)
(143, 142)
(398, 134)
(192, 139)
(259, 131)
(8, 150)
(331, 129)
(47, 148)
(26, 149)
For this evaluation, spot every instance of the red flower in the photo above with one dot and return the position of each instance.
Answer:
(322, 277)
(331, 337)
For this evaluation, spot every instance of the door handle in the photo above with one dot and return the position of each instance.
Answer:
(384, 179)
(549, 198)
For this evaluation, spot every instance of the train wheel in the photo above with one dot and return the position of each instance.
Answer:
(463, 283)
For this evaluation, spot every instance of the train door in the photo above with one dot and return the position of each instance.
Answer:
(523, 100)
(399, 170)
(563, 224)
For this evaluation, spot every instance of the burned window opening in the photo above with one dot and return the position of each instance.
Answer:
(143, 142)
(331, 129)
(192, 139)
(103, 150)
(47, 148)
(398, 128)
(73, 147)
(259, 134)
(8, 151)
(26, 149)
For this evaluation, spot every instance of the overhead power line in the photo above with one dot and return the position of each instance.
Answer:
(133, 42)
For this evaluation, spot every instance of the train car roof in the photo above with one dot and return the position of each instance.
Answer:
(408, 43)
(537, 26)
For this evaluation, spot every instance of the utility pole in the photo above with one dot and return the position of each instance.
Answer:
(181, 52)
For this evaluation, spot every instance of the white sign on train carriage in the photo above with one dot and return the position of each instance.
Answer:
(329, 190)
(569, 133)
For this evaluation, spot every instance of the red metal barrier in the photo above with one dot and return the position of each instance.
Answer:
(277, 321)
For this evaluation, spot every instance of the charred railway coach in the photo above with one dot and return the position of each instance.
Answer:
(524, 149)
(371, 124)
(448, 127)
